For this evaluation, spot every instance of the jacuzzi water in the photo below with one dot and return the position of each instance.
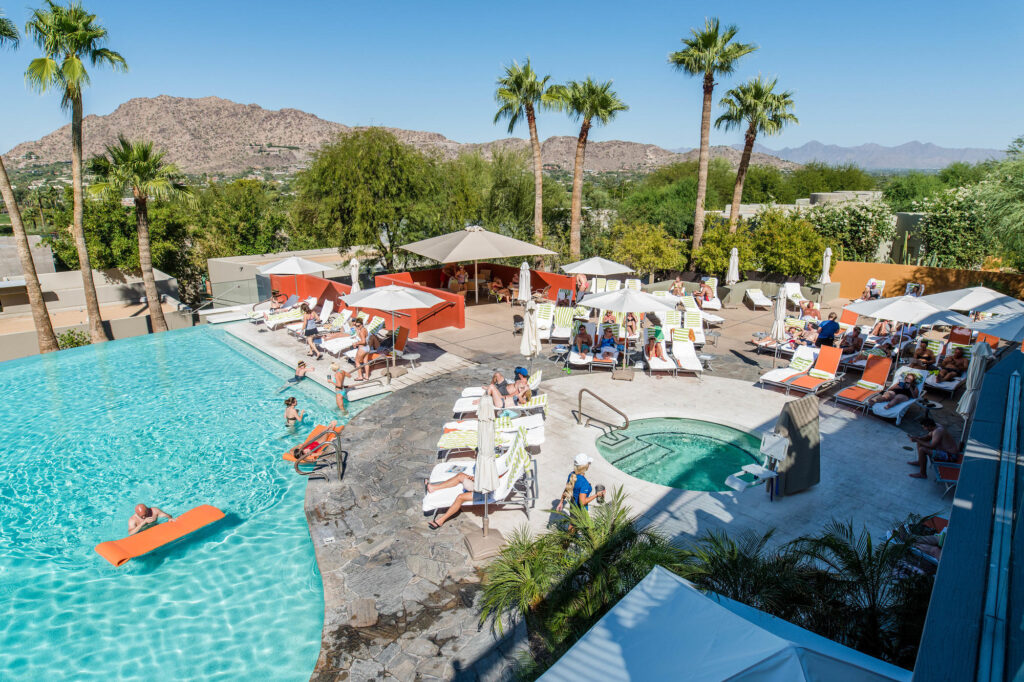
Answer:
(174, 420)
(681, 453)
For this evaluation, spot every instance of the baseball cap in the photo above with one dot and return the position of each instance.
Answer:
(582, 459)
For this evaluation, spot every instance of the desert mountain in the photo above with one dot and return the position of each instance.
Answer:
(912, 155)
(214, 135)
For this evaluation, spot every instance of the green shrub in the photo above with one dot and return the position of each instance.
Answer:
(645, 248)
(787, 245)
(712, 257)
(955, 228)
(855, 229)
(73, 338)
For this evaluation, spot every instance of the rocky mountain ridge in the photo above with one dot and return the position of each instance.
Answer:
(217, 136)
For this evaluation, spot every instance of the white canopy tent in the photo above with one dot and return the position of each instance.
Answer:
(666, 629)
(474, 244)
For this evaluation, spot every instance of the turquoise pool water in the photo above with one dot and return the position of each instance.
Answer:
(681, 453)
(175, 420)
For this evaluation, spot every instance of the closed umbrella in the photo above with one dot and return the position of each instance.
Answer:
(485, 478)
(733, 275)
(826, 266)
(353, 270)
(524, 282)
(390, 299)
(778, 330)
(628, 301)
(530, 343)
(474, 244)
(975, 372)
(1006, 327)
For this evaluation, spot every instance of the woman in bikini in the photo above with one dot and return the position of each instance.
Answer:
(292, 415)
(310, 320)
(901, 393)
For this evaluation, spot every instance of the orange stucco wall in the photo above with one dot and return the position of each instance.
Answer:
(853, 276)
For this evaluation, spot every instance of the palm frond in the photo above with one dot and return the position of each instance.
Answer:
(8, 32)
(710, 51)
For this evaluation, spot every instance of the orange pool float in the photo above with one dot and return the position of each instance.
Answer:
(320, 434)
(119, 552)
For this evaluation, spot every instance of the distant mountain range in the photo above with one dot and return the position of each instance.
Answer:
(912, 155)
(218, 136)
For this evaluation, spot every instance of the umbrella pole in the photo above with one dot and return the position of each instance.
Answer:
(476, 282)
(487, 521)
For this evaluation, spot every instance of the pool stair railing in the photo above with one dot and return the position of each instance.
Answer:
(588, 419)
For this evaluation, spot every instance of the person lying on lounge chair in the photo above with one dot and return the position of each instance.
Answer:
(809, 312)
(145, 517)
(516, 393)
(678, 289)
(705, 293)
(952, 366)
(937, 444)
(654, 347)
(463, 479)
(900, 393)
(931, 544)
(871, 291)
(881, 328)
(852, 342)
(581, 344)
(609, 317)
(607, 346)
(923, 357)
(277, 300)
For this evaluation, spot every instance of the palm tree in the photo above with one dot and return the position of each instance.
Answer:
(518, 95)
(67, 35)
(764, 111)
(594, 103)
(40, 316)
(134, 167)
(708, 53)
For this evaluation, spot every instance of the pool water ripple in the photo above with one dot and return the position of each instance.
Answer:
(174, 419)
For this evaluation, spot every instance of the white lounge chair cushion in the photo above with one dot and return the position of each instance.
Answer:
(780, 374)
(821, 374)
(580, 359)
(944, 385)
(530, 421)
(868, 385)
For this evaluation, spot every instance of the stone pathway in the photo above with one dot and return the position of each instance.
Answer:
(401, 600)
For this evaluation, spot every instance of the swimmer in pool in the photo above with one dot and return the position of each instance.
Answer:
(144, 517)
(291, 411)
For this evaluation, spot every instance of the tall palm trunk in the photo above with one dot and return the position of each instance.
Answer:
(702, 163)
(741, 175)
(40, 316)
(92, 304)
(577, 191)
(538, 182)
(42, 216)
(156, 311)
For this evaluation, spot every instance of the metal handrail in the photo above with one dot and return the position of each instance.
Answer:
(579, 410)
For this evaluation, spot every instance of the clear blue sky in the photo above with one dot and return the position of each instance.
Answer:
(870, 71)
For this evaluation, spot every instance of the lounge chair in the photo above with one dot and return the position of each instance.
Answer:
(561, 330)
(847, 320)
(821, 377)
(949, 386)
(397, 350)
(715, 303)
(281, 319)
(325, 314)
(504, 424)
(880, 285)
(338, 322)
(773, 447)
(634, 284)
(612, 285)
(897, 412)
(597, 285)
(581, 312)
(339, 345)
(477, 391)
(869, 385)
(517, 482)
(465, 441)
(685, 354)
(656, 364)
(467, 406)
(257, 316)
(671, 320)
(757, 299)
(792, 293)
(566, 297)
(948, 473)
(576, 360)
(802, 360)
(545, 320)
(597, 358)
(693, 325)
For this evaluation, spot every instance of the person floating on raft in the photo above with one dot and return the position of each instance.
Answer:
(144, 517)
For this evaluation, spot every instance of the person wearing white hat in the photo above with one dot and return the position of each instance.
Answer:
(577, 488)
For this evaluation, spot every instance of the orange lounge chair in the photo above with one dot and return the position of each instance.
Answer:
(992, 341)
(948, 473)
(322, 435)
(871, 383)
(119, 552)
(821, 376)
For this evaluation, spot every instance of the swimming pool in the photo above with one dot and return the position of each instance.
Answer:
(681, 453)
(175, 420)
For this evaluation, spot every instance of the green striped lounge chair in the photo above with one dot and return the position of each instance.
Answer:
(692, 321)
(562, 329)
(545, 320)
(800, 363)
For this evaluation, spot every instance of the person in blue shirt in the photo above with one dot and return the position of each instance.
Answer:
(577, 487)
(827, 331)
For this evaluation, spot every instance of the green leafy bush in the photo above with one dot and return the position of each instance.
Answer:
(645, 248)
(712, 257)
(787, 244)
(72, 338)
(902, 191)
(955, 228)
(1003, 194)
(855, 229)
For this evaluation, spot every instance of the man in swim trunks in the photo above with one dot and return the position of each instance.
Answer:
(144, 517)
(953, 366)
(936, 444)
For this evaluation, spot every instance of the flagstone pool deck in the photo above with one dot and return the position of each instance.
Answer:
(402, 601)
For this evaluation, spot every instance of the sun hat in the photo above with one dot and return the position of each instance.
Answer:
(582, 459)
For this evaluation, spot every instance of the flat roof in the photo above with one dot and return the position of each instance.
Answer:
(327, 256)
(15, 323)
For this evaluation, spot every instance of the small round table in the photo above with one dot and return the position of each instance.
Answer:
(412, 358)
(706, 359)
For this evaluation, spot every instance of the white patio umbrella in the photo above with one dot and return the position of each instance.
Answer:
(474, 244)
(826, 264)
(390, 299)
(353, 271)
(485, 478)
(596, 266)
(733, 276)
(1006, 327)
(778, 330)
(909, 309)
(971, 298)
(295, 266)
(529, 345)
(975, 371)
(524, 283)
(628, 301)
